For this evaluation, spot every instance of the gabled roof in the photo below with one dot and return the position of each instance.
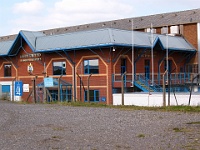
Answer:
(4, 47)
(39, 42)
(29, 36)
(175, 43)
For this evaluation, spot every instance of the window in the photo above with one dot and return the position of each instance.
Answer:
(174, 30)
(94, 95)
(59, 68)
(150, 30)
(123, 65)
(147, 68)
(91, 66)
(7, 70)
(164, 30)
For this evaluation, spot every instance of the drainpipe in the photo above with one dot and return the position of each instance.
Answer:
(80, 86)
(88, 88)
(59, 81)
(74, 75)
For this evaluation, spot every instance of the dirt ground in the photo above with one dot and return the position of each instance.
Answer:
(53, 127)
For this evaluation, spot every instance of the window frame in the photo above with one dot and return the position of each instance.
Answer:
(62, 71)
(7, 73)
(87, 69)
(95, 95)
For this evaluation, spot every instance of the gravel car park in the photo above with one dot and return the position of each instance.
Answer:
(52, 126)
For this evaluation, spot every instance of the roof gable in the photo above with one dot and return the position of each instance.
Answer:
(29, 37)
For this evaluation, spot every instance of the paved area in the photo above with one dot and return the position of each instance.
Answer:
(54, 127)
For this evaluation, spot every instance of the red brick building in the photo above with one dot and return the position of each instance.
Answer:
(96, 59)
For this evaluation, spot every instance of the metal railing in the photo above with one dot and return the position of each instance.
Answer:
(178, 79)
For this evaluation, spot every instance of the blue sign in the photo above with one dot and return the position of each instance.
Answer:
(103, 99)
(18, 88)
(48, 82)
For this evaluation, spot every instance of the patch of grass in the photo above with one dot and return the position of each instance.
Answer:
(83, 104)
(59, 129)
(182, 129)
(178, 129)
(141, 135)
(129, 107)
(198, 122)
(184, 108)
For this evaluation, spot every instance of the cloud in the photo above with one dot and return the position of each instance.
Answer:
(66, 13)
(82, 11)
(29, 7)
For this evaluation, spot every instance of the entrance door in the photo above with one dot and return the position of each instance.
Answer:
(6, 91)
(147, 69)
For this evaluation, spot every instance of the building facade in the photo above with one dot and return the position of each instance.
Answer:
(94, 57)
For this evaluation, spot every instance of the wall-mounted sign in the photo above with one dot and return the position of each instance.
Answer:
(25, 87)
(18, 88)
(30, 68)
(30, 57)
(48, 82)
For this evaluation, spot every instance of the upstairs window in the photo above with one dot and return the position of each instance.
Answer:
(174, 29)
(150, 30)
(7, 70)
(164, 30)
(91, 66)
(59, 68)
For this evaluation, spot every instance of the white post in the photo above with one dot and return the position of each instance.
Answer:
(167, 55)
(133, 67)
(152, 59)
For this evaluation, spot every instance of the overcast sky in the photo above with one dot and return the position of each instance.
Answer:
(36, 15)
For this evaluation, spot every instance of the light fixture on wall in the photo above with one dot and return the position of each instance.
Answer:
(113, 49)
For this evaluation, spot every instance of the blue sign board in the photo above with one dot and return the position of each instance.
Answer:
(18, 88)
(48, 82)
(103, 99)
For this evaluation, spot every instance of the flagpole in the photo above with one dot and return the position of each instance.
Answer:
(152, 58)
(133, 67)
(167, 55)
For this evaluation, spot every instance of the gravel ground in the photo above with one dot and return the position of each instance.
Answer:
(52, 127)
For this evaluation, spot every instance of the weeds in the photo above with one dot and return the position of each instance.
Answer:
(129, 107)
(141, 135)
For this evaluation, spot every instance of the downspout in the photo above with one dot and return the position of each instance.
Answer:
(198, 40)
(74, 76)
